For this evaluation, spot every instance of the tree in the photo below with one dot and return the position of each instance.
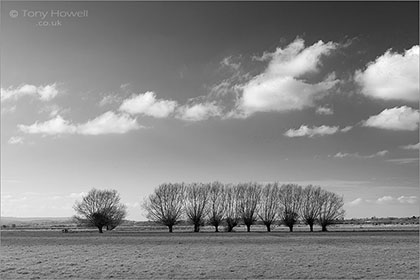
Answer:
(217, 204)
(290, 198)
(268, 209)
(249, 197)
(100, 208)
(331, 209)
(232, 207)
(311, 205)
(165, 205)
(196, 199)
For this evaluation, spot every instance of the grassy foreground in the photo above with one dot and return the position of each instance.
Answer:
(125, 255)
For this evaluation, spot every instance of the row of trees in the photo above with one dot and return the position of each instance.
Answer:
(218, 204)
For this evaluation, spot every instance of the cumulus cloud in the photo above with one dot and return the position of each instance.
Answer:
(199, 111)
(147, 104)
(44, 93)
(107, 123)
(392, 200)
(322, 130)
(385, 199)
(411, 147)
(357, 155)
(15, 140)
(281, 86)
(324, 111)
(401, 161)
(392, 76)
(407, 199)
(397, 118)
(355, 202)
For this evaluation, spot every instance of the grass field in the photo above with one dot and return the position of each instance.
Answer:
(124, 255)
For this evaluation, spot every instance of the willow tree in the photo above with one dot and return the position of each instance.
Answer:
(232, 207)
(311, 205)
(290, 201)
(196, 200)
(248, 198)
(165, 205)
(100, 208)
(331, 209)
(217, 205)
(269, 208)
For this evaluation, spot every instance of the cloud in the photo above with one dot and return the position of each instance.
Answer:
(199, 112)
(392, 76)
(411, 147)
(107, 123)
(407, 199)
(401, 161)
(397, 118)
(230, 63)
(281, 86)
(357, 155)
(355, 202)
(44, 93)
(55, 126)
(15, 140)
(322, 130)
(385, 200)
(324, 111)
(148, 105)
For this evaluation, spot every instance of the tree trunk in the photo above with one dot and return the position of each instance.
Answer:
(229, 229)
(311, 227)
(217, 228)
(196, 228)
(324, 228)
(248, 228)
(170, 228)
(100, 230)
(291, 228)
(268, 227)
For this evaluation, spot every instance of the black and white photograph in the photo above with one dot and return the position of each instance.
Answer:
(209, 140)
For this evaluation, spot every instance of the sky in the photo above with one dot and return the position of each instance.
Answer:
(129, 95)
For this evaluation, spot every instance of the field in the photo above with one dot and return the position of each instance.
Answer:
(124, 255)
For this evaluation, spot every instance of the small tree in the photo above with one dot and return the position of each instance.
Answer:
(100, 208)
(331, 209)
(269, 208)
(249, 197)
(311, 205)
(217, 205)
(232, 207)
(165, 205)
(290, 199)
(196, 200)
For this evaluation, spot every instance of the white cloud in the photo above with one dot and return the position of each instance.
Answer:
(148, 105)
(322, 130)
(324, 111)
(107, 123)
(411, 147)
(407, 199)
(355, 202)
(44, 93)
(109, 99)
(281, 87)
(55, 126)
(401, 161)
(229, 62)
(397, 118)
(385, 200)
(199, 112)
(392, 76)
(357, 155)
(15, 140)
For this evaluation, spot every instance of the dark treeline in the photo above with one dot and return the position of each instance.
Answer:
(229, 205)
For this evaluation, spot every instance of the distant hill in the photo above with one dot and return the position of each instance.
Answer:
(34, 220)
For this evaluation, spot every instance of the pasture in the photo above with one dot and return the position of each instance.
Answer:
(139, 255)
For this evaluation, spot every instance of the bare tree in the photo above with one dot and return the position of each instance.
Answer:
(311, 205)
(100, 208)
(196, 200)
(232, 207)
(268, 209)
(331, 209)
(217, 204)
(290, 199)
(249, 197)
(165, 205)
